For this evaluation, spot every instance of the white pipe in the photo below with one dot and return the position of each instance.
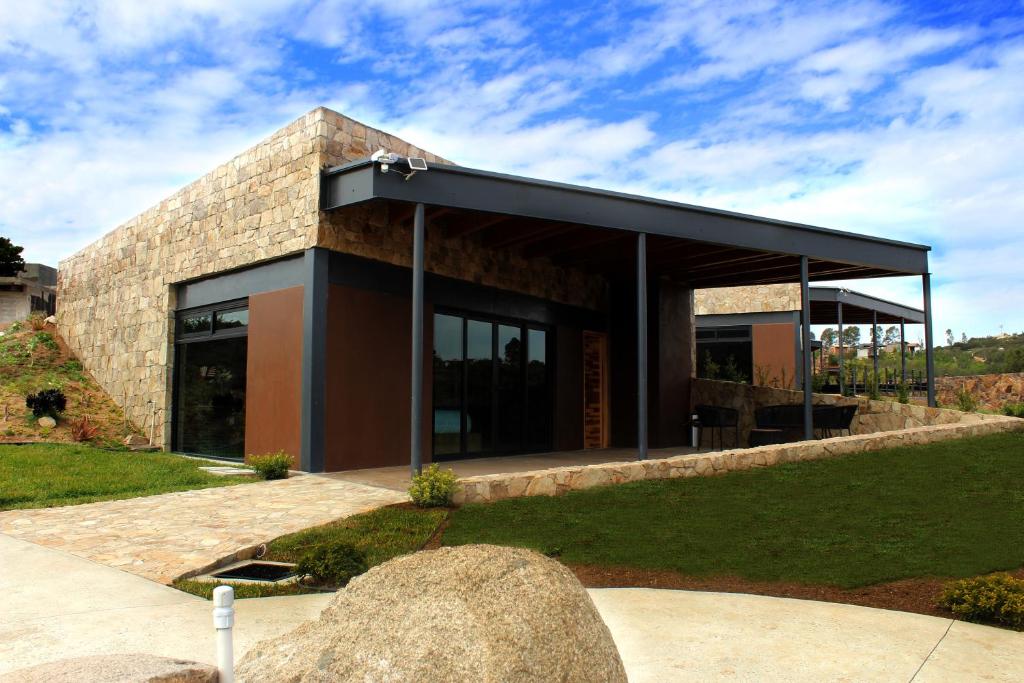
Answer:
(223, 621)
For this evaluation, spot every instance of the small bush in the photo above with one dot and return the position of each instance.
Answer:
(16, 326)
(433, 487)
(334, 563)
(47, 402)
(1014, 409)
(873, 393)
(271, 465)
(996, 597)
(965, 400)
(903, 392)
(818, 382)
(37, 322)
(44, 339)
(83, 429)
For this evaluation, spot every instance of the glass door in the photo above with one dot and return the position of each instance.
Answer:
(492, 387)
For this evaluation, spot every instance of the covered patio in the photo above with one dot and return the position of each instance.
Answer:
(652, 252)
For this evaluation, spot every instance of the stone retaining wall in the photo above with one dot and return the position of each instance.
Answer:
(750, 299)
(559, 480)
(992, 392)
(872, 416)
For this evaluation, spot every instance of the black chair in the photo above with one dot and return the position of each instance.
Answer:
(717, 417)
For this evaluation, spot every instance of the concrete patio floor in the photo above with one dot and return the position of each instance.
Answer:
(82, 608)
(397, 478)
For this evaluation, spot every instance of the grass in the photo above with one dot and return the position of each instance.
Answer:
(381, 534)
(951, 509)
(48, 475)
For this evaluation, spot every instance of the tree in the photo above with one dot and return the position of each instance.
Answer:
(828, 338)
(892, 335)
(950, 339)
(963, 337)
(851, 336)
(11, 262)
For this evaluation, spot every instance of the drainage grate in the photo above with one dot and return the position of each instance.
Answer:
(258, 571)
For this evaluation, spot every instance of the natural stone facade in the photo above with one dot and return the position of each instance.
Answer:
(751, 299)
(872, 416)
(117, 296)
(992, 392)
(556, 481)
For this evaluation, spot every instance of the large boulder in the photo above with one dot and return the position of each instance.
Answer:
(133, 668)
(469, 613)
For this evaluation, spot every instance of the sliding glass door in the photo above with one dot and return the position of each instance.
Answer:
(492, 387)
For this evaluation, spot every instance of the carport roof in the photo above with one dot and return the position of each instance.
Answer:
(858, 309)
(594, 229)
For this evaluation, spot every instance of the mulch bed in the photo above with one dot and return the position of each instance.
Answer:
(907, 595)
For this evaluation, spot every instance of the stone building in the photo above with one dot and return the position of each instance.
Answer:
(268, 305)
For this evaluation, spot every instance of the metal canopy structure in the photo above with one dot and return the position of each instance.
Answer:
(616, 235)
(858, 309)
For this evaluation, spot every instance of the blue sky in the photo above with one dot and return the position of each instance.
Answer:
(894, 119)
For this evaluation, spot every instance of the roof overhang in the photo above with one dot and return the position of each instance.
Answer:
(748, 249)
(858, 308)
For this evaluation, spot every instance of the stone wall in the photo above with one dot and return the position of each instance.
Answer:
(751, 299)
(872, 416)
(115, 297)
(992, 392)
(559, 480)
(372, 232)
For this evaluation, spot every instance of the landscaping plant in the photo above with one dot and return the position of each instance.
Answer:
(1014, 409)
(83, 430)
(37, 322)
(433, 487)
(903, 392)
(271, 465)
(965, 400)
(996, 597)
(47, 402)
(334, 564)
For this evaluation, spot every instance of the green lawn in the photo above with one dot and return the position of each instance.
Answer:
(381, 534)
(48, 475)
(950, 509)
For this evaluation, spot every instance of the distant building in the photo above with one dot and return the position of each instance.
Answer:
(33, 290)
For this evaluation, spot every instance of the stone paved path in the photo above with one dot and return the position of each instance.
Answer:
(163, 537)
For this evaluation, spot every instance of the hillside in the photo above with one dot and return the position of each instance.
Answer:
(32, 358)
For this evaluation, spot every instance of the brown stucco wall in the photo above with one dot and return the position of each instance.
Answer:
(273, 393)
(368, 379)
(774, 349)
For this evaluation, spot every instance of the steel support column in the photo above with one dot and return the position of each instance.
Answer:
(641, 345)
(874, 347)
(316, 263)
(416, 418)
(929, 346)
(805, 332)
(903, 351)
(842, 379)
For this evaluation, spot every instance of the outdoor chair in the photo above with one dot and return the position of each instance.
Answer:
(717, 417)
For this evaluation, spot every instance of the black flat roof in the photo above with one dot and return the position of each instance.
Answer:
(589, 228)
(858, 308)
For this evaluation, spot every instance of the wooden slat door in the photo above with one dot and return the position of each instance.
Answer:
(595, 390)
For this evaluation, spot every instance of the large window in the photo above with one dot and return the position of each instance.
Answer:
(725, 353)
(492, 387)
(210, 358)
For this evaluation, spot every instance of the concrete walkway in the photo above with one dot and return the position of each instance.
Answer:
(162, 537)
(58, 605)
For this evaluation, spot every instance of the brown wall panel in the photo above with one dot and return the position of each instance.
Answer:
(775, 353)
(368, 379)
(273, 394)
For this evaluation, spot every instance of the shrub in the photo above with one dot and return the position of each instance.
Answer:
(83, 429)
(16, 326)
(47, 402)
(903, 392)
(433, 487)
(965, 400)
(334, 563)
(1014, 409)
(996, 597)
(44, 339)
(271, 465)
(37, 322)
(818, 382)
(873, 393)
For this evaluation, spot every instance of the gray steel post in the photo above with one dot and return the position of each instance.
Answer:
(805, 331)
(929, 346)
(874, 347)
(903, 351)
(842, 380)
(641, 345)
(416, 421)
